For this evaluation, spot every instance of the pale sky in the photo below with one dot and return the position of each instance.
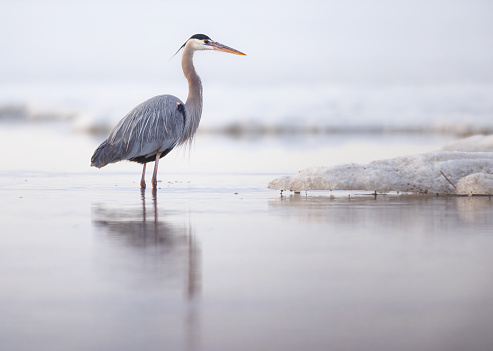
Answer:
(286, 41)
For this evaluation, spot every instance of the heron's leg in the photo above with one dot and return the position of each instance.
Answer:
(154, 174)
(143, 179)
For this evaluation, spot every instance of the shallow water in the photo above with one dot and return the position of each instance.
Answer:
(215, 261)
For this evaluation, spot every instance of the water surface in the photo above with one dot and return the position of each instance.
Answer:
(215, 261)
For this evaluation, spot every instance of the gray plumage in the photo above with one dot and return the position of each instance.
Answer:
(153, 128)
(156, 125)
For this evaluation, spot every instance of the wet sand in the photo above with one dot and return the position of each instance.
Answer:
(215, 261)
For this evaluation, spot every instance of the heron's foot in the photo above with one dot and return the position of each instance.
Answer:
(142, 184)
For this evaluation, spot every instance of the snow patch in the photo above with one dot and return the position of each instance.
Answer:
(476, 184)
(430, 173)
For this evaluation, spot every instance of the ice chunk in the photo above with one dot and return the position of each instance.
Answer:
(281, 183)
(476, 184)
(435, 173)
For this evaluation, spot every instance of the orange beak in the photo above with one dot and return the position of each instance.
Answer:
(220, 47)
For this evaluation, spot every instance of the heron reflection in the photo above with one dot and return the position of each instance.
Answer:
(164, 245)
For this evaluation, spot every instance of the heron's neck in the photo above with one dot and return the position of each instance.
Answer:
(193, 105)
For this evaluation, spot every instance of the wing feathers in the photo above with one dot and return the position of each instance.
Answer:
(154, 126)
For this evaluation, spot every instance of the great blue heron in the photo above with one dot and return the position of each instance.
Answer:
(153, 128)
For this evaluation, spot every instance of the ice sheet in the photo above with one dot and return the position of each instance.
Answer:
(429, 173)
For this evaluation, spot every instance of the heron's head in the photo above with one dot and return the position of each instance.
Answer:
(203, 42)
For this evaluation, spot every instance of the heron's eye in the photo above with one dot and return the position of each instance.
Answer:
(206, 41)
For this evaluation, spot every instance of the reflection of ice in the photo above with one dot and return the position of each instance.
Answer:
(167, 248)
(475, 210)
(389, 211)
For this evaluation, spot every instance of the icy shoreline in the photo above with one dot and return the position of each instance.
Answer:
(443, 172)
